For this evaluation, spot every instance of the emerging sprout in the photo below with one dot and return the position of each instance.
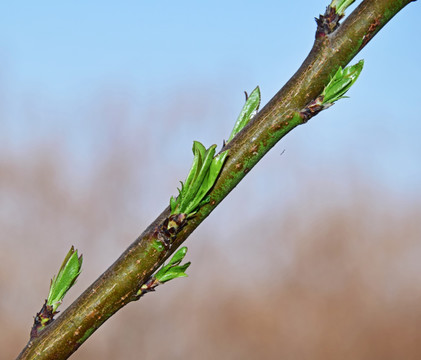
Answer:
(201, 178)
(65, 279)
(249, 109)
(340, 83)
(173, 269)
(60, 285)
(167, 272)
(206, 168)
(341, 5)
(336, 89)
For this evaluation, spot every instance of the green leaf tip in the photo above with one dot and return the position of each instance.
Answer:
(341, 5)
(173, 269)
(340, 83)
(65, 279)
(201, 178)
(249, 109)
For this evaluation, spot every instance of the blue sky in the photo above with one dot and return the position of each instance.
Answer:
(60, 56)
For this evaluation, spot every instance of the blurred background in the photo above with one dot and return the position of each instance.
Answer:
(315, 255)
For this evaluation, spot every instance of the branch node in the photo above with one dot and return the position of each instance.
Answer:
(167, 231)
(327, 23)
(43, 318)
(312, 109)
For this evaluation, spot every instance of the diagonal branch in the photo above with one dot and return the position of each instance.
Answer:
(334, 46)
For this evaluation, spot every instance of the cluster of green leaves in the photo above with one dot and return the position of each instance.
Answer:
(340, 83)
(341, 5)
(193, 193)
(173, 269)
(206, 166)
(201, 178)
(249, 109)
(65, 279)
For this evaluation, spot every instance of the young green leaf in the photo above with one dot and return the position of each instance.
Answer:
(205, 160)
(173, 269)
(174, 203)
(341, 83)
(178, 257)
(249, 109)
(201, 178)
(198, 152)
(341, 5)
(209, 180)
(65, 279)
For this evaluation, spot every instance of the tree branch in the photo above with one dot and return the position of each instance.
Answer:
(334, 46)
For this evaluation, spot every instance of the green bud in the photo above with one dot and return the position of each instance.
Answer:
(65, 279)
(340, 83)
(249, 109)
(201, 178)
(341, 5)
(173, 269)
